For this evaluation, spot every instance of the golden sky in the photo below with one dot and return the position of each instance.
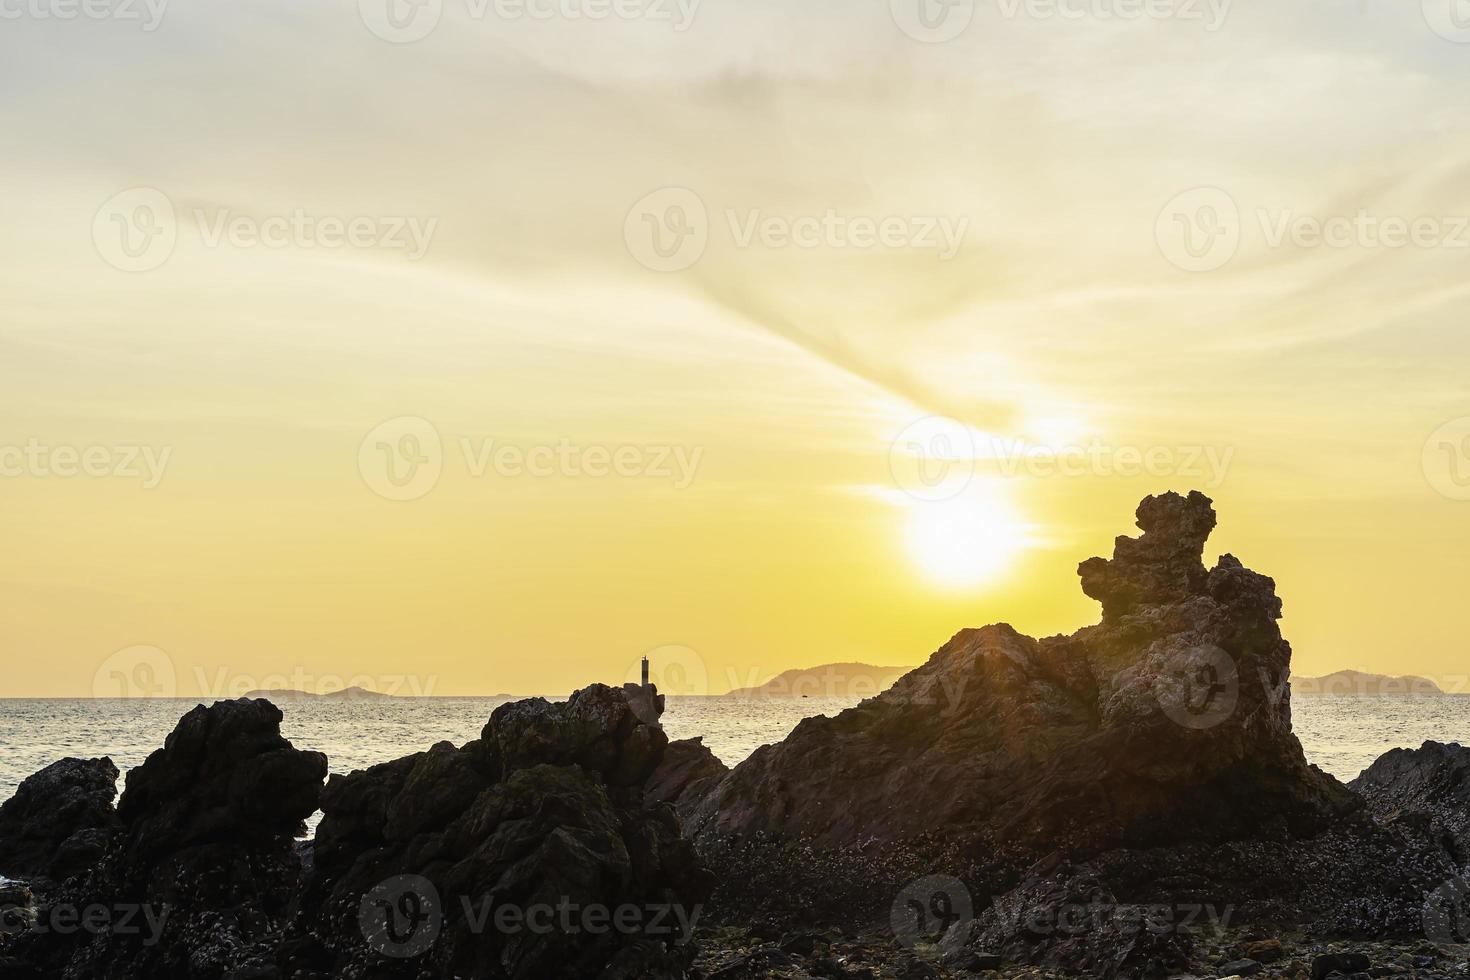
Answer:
(660, 302)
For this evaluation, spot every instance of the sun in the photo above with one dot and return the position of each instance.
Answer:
(964, 541)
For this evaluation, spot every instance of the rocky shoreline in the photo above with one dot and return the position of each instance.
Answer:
(1127, 801)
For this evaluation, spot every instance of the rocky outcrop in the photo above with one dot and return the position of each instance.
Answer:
(688, 771)
(59, 821)
(198, 878)
(1168, 722)
(526, 854)
(1428, 787)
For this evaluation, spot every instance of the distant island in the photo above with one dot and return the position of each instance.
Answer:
(346, 694)
(827, 681)
(1356, 682)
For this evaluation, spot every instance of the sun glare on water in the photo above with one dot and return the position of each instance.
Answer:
(964, 541)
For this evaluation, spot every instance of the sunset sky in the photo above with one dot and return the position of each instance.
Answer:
(1130, 274)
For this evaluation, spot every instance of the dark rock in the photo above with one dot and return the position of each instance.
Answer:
(197, 880)
(1169, 722)
(1241, 968)
(1325, 965)
(1263, 951)
(1073, 922)
(914, 968)
(687, 773)
(59, 821)
(971, 960)
(442, 863)
(801, 943)
(1429, 786)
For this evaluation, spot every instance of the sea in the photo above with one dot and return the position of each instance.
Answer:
(1341, 734)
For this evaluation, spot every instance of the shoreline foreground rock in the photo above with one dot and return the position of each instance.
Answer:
(1169, 721)
(1128, 801)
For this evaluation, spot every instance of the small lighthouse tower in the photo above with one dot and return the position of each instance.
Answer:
(645, 672)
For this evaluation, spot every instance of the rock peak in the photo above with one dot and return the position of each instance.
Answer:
(1165, 564)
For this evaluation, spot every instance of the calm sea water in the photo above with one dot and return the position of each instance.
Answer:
(1343, 735)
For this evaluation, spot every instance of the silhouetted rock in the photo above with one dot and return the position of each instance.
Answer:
(445, 862)
(59, 820)
(1168, 722)
(1428, 786)
(198, 877)
(687, 772)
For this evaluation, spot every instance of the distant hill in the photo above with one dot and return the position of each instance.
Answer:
(826, 681)
(346, 694)
(1357, 682)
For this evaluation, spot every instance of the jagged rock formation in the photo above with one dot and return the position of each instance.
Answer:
(199, 874)
(59, 821)
(688, 771)
(436, 864)
(1428, 787)
(1168, 722)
